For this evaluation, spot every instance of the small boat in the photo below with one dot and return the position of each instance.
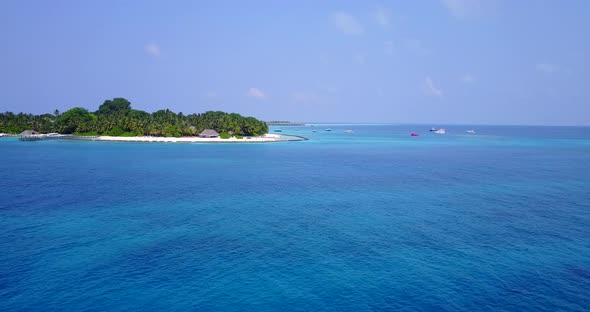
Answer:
(470, 131)
(414, 134)
(314, 131)
(440, 131)
(433, 129)
(278, 130)
(348, 131)
(328, 129)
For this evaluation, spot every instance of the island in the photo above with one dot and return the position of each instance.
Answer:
(115, 120)
(284, 123)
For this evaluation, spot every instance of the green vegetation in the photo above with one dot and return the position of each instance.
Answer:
(239, 137)
(224, 135)
(116, 118)
(90, 133)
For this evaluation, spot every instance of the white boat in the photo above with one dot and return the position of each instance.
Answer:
(440, 131)
(470, 131)
(328, 129)
(433, 129)
(348, 131)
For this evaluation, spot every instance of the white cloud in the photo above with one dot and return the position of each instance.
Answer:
(553, 69)
(256, 93)
(468, 78)
(347, 23)
(383, 17)
(464, 8)
(430, 89)
(152, 49)
(388, 47)
(547, 68)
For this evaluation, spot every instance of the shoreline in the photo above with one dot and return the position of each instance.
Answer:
(147, 139)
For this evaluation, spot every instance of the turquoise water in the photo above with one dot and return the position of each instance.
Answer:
(368, 221)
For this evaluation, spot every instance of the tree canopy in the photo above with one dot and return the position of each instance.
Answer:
(116, 117)
(73, 119)
(116, 106)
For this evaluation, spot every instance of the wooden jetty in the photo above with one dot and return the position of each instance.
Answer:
(42, 137)
(284, 123)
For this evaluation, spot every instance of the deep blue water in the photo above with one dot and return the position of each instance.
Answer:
(369, 221)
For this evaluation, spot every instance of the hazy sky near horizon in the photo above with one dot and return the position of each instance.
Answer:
(449, 61)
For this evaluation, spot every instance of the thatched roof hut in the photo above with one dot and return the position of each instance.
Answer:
(209, 133)
(28, 132)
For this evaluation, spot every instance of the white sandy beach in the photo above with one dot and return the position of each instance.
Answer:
(264, 138)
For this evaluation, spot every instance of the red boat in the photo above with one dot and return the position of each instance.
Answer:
(414, 134)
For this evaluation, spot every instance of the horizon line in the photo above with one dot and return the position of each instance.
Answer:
(438, 124)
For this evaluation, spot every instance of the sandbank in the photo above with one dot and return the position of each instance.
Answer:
(264, 138)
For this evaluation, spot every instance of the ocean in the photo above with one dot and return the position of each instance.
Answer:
(373, 220)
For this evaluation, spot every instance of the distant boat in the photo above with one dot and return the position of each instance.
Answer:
(314, 131)
(440, 131)
(328, 129)
(470, 131)
(348, 131)
(414, 134)
(278, 130)
(433, 129)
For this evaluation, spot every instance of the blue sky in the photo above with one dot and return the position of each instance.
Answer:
(449, 61)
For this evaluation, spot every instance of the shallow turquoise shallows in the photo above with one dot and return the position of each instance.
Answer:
(373, 220)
